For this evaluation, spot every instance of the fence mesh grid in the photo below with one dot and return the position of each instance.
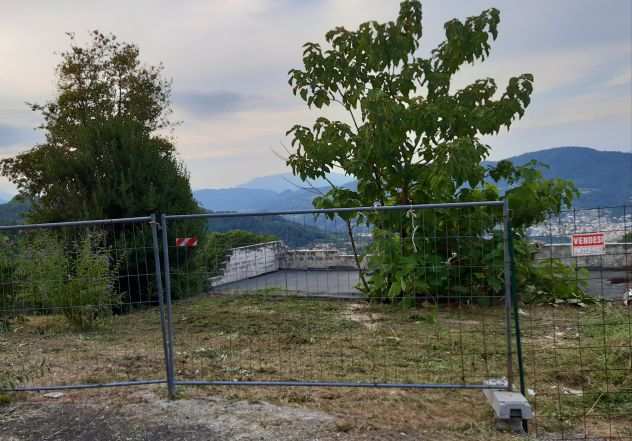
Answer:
(285, 298)
(279, 298)
(66, 294)
(578, 353)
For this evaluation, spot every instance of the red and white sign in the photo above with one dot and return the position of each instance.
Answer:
(186, 241)
(588, 244)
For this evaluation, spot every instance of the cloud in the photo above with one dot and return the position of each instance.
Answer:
(215, 103)
(229, 62)
(555, 70)
(203, 105)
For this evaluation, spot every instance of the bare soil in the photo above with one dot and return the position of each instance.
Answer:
(144, 415)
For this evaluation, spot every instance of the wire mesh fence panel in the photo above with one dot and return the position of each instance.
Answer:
(75, 298)
(406, 296)
(578, 348)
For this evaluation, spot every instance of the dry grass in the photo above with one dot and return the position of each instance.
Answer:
(266, 338)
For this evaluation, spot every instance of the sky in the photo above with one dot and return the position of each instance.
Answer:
(229, 59)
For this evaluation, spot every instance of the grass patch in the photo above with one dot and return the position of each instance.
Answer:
(578, 360)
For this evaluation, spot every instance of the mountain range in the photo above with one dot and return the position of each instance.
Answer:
(604, 178)
(287, 181)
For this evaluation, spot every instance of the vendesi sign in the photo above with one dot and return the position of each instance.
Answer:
(588, 244)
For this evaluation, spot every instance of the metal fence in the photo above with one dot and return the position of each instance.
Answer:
(578, 352)
(66, 292)
(283, 302)
(394, 297)
(268, 299)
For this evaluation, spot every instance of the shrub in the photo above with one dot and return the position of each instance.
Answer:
(553, 282)
(89, 294)
(77, 279)
(7, 287)
(41, 269)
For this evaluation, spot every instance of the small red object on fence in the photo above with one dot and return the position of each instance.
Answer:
(186, 241)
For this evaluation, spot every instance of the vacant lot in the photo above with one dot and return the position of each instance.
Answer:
(578, 365)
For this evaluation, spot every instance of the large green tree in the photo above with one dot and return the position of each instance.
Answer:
(104, 155)
(412, 136)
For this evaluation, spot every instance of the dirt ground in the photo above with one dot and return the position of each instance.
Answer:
(143, 414)
(566, 352)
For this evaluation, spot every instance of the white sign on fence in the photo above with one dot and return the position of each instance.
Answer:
(588, 244)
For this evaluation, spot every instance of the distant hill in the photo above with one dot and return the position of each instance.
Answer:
(295, 234)
(250, 199)
(287, 181)
(603, 177)
(12, 212)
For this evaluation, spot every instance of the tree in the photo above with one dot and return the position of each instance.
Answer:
(102, 156)
(410, 137)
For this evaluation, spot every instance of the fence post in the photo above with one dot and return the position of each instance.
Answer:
(508, 277)
(516, 316)
(167, 271)
(163, 323)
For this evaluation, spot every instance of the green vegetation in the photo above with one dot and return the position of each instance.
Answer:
(102, 157)
(627, 237)
(410, 137)
(292, 233)
(13, 212)
(47, 275)
(218, 246)
(549, 281)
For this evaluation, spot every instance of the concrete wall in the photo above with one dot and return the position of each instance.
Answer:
(318, 259)
(251, 261)
(254, 260)
(618, 255)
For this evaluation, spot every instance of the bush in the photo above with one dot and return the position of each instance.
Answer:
(89, 294)
(442, 256)
(553, 282)
(77, 279)
(41, 269)
(8, 293)
(547, 281)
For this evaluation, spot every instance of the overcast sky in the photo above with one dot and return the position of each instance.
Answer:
(229, 62)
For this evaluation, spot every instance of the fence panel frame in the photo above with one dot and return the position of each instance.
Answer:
(508, 294)
(150, 220)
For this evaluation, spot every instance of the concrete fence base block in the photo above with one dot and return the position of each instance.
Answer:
(511, 409)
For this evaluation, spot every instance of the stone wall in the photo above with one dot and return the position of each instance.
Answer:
(618, 256)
